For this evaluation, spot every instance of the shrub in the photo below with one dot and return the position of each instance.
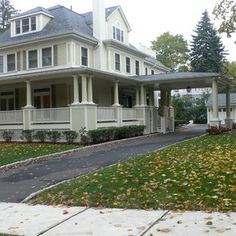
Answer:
(215, 130)
(7, 135)
(27, 135)
(84, 137)
(54, 136)
(41, 135)
(70, 136)
(114, 133)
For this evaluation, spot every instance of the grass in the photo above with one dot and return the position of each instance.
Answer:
(13, 152)
(199, 174)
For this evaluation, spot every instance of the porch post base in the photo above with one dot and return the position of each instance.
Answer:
(27, 118)
(215, 123)
(229, 123)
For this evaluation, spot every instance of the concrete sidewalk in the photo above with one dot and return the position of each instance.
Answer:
(22, 219)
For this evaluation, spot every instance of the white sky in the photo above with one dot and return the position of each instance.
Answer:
(149, 18)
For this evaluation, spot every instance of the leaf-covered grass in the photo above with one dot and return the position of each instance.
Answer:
(199, 174)
(13, 152)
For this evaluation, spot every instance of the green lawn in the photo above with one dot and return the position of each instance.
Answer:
(12, 152)
(195, 175)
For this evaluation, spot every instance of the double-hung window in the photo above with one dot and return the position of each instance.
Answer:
(117, 61)
(33, 59)
(25, 25)
(1, 64)
(128, 70)
(47, 56)
(137, 67)
(118, 34)
(84, 56)
(11, 62)
(33, 23)
(18, 27)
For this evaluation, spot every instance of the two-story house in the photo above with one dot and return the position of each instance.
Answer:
(64, 70)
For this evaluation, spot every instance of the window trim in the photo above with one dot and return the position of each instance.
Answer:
(40, 65)
(137, 63)
(122, 34)
(15, 62)
(3, 64)
(27, 59)
(118, 63)
(21, 25)
(128, 72)
(82, 56)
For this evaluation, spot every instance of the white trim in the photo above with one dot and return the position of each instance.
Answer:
(88, 64)
(29, 15)
(52, 56)
(121, 30)
(120, 70)
(11, 71)
(27, 59)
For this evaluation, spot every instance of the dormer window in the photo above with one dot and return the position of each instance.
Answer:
(25, 25)
(118, 34)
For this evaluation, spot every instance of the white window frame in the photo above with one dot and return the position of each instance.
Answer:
(27, 59)
(136, 67)
(87, 56)
(3, 62)
(121, 33)
(41, 56)
(15, 62)
(119, 61)
(129, 65)
(21, 26)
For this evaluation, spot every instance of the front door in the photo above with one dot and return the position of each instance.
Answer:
(42, 101)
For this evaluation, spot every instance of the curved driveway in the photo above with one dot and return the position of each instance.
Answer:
(17, 184)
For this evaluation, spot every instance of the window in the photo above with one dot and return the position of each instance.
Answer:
(55, 55)
(127, 65)
(1, 64)
(117, 62)
(33, 23)
(137, 67)
(11, 62)
(84, 56)
(47, 56)
(33, 59)
(18, 27)
(146, 71)
(25, 25)
(152, 72)
(118, 34)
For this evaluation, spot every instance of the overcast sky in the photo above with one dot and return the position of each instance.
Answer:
(148, 18)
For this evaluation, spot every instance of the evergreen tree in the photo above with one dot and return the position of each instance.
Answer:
(6, 12)
(207, 51)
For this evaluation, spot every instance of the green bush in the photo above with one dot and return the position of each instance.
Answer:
(115, 133)
(27, 135)
(70, 136)
(84, 137)
(54, 136)
(7, 135)
(41, 135)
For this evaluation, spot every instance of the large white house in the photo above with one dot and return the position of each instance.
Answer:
(64, 70)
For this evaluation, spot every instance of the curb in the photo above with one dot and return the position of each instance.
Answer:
(19, 164)
(32, 195)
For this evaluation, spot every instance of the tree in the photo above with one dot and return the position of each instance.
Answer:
(207, 51)
(6, 12)
(225, 11)
(171, 50)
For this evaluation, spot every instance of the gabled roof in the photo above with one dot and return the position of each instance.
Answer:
(222, 100)
(89, 15)
(32, 11)
(64, 22)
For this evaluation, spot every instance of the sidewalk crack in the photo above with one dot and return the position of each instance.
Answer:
(59, 223)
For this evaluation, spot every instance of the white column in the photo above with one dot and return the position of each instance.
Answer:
(84, 89)
(142, 95)
(137, 97)
(215, 105)
(116, 93)
(28, 95)
(227, 93)
(76, 89)
(90, 89)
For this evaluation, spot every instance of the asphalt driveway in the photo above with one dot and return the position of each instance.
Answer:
(17, 184)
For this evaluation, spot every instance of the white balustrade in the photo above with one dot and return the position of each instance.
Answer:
(129, 114)
(11, 117)
(106, 114)
(51, 115)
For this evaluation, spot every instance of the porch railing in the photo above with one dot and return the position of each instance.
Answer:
(129, 114)
(106, 114)
(11, 117)
(51, 115)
